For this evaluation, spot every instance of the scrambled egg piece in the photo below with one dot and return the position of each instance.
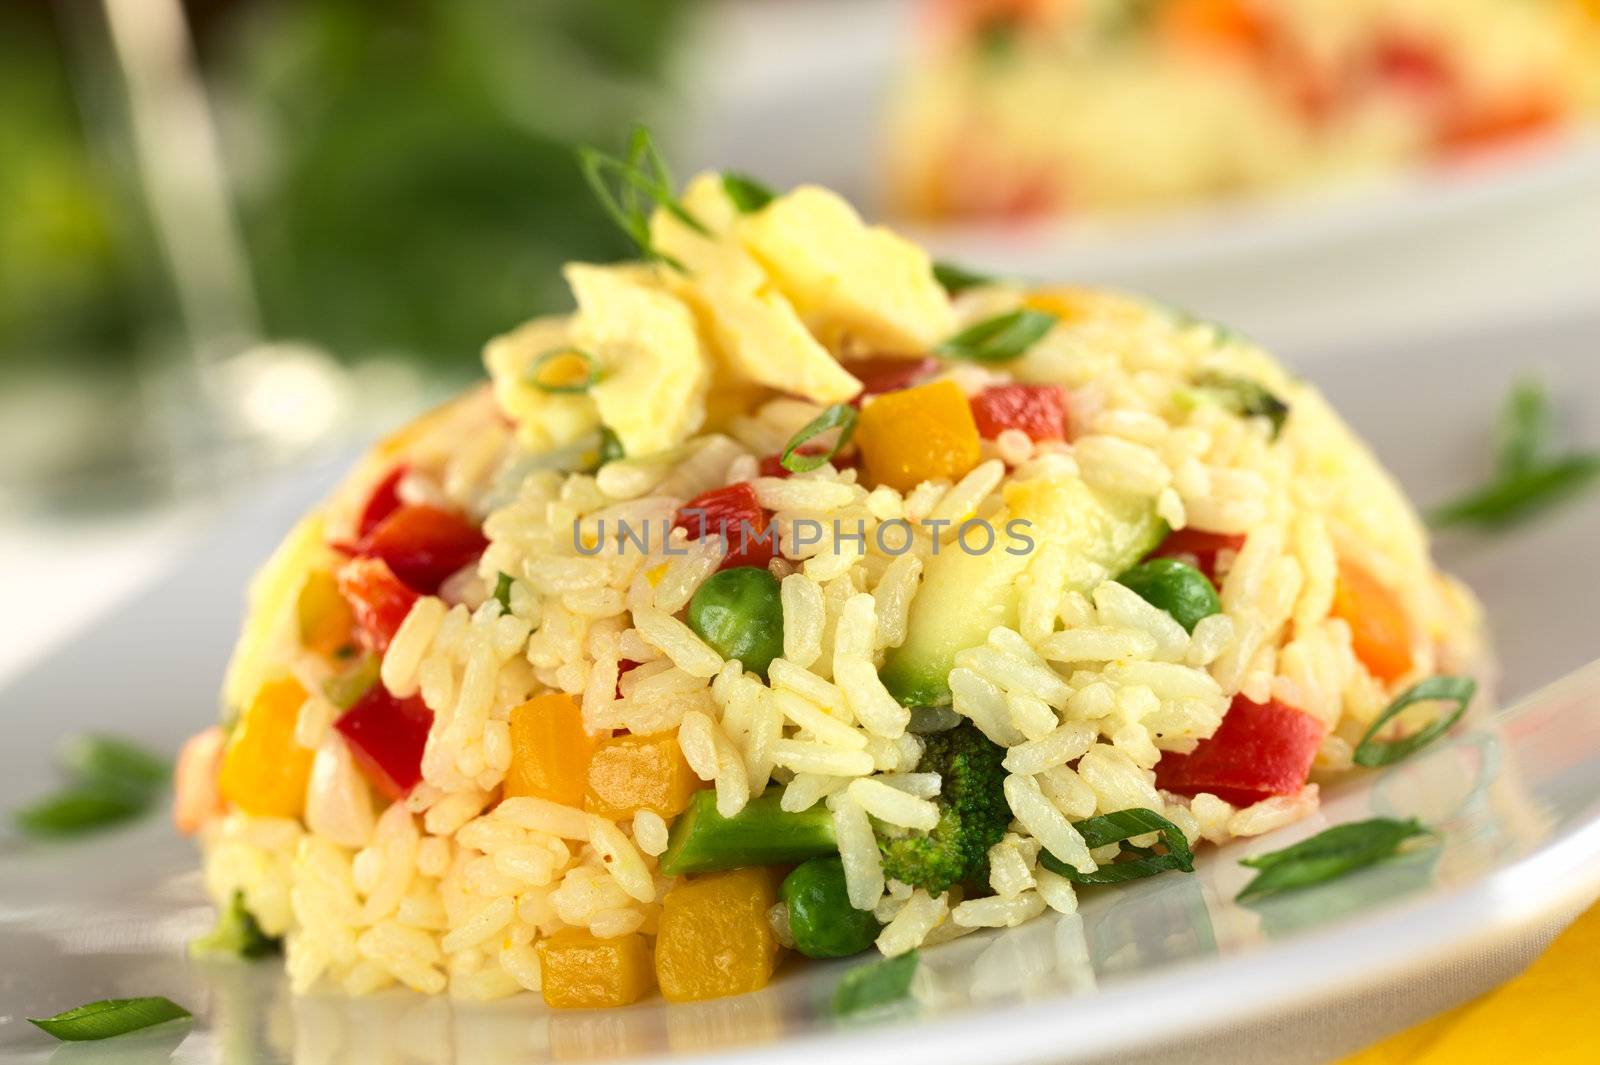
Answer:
(654, 370)
(759, 337)
(846, 278)
(764, 301)
(544, 419)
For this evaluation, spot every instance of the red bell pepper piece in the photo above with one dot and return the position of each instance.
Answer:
(384, 501)
(386, 735)
(1037, 410)
(423, 545)
(733, 514)
(1260, 750)
(1198, 549)
(378, 599)
(885, 373)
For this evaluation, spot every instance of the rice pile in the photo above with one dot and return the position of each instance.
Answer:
(450, 888)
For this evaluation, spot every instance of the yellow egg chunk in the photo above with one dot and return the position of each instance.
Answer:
(654, 370)
(714, 939)
(918, 434)
(757, 335)
(544, 419)
(264, 772)
(581, 971)
(848, 279)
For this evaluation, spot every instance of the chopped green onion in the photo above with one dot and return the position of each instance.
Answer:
(1373, 752)
(502, 592)
(110, 1017)
(1528, 477)
(236, 933)
(346, 689)
(840, 416)
(1115, 827)
(79, 810)
(956, 279)
(1514, 497)
(610, 446)
(1527, 428)
(878, 984)
(747, 194)
(1244, 397)
(537, 371)
(1329, 855)
(113, 762)
(998, 339)
(111, 781)
(641, 181)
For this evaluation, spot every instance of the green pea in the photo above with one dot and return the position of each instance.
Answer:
(821, 919)
(738, 612)
(1176, 587)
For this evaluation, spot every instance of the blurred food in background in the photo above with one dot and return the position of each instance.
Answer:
(391, 183)
(1021, 108)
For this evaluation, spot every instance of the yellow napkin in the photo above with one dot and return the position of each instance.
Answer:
(1544, 1015)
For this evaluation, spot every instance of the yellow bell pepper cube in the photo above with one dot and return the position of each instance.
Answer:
(582, 971)
(714, 939)
(549, 750)
(327, 624)
(264, 772)
(632, 773)
(918, 434)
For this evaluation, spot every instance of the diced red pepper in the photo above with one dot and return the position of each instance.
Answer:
(1199, 549)
(378, 598)
(423, 545)
(733, 514)
(1260, 750)
(1037, 410)
(384, 501)
(885, 373)
(386, 735)
(1413, 65)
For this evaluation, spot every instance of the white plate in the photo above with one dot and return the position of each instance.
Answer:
(1159, 966)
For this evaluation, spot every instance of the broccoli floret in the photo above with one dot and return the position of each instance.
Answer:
(973, 814)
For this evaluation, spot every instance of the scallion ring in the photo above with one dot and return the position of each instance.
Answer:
(747, 194)
(1373, 752)
(627, 190)
(955, 279)
(1122, 825)
(998, 339)
(552, 362)
(841, 416)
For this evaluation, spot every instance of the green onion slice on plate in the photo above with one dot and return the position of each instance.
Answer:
(879, 984)
(1373, 752)
(1329, 855)
(110, 1017)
